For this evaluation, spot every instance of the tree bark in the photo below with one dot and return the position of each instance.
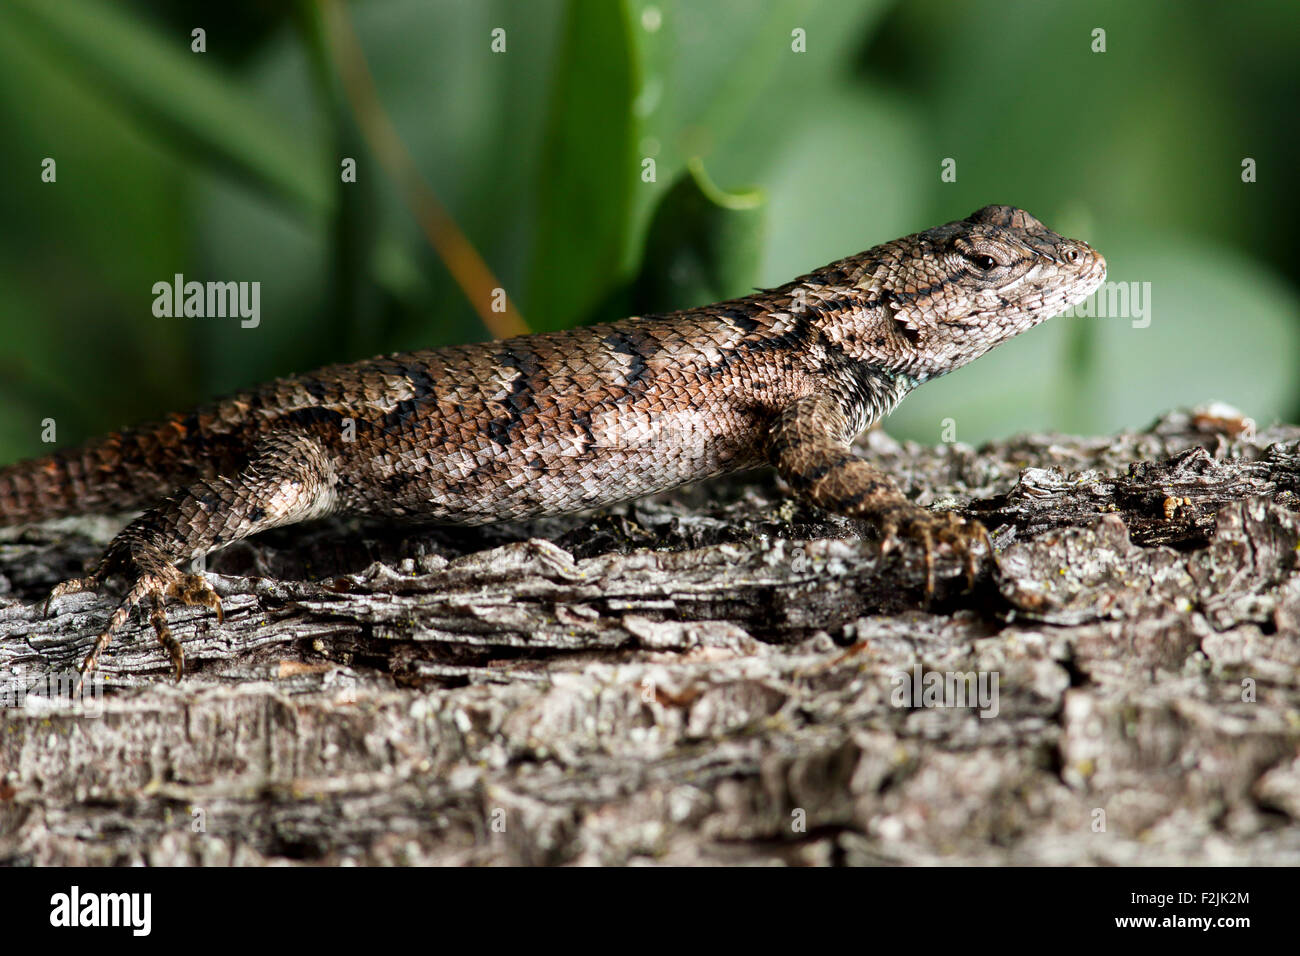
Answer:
(714, 675)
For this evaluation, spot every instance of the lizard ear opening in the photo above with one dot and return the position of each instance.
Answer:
(901, 325)
(906, 331)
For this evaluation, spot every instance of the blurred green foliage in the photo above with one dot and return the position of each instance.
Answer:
(767, 162)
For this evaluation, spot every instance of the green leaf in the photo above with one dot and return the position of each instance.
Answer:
(588, 171)
(191, 107)
(725, 75)
(703, 245)
(643, 82)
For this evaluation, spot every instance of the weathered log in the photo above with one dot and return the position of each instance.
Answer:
(716, 675)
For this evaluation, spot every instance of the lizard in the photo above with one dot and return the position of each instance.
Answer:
(563, 422)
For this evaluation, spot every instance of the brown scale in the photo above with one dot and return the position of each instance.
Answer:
(567, 421)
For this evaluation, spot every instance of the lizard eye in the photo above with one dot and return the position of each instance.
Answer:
(979, 255)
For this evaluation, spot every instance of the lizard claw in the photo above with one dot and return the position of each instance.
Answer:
(970, 555)
(888, 541)
(927, 542)
(933, 530)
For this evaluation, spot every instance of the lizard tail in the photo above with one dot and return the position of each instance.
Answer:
(122, 471)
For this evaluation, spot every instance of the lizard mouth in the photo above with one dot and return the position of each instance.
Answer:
(1096, 261)
(1091, 280)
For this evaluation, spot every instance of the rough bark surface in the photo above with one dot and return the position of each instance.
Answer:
(709, 676)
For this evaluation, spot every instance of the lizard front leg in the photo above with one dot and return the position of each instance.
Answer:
(287, 479)
(810, 448)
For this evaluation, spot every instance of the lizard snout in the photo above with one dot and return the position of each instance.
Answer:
(1081, 254)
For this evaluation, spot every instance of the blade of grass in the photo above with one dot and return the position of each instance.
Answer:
(188, 105)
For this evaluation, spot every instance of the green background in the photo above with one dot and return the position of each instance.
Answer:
(225, 166)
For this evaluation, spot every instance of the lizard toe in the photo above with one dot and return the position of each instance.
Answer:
(156, 587)
(71, 586)
(945, 532)
(158, 618)
(967, 538)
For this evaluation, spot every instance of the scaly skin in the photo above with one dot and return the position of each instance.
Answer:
(566, 421)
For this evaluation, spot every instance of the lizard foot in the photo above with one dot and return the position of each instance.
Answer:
(965, 537)
(156, 586)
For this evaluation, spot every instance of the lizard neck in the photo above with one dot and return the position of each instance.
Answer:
(867, 393)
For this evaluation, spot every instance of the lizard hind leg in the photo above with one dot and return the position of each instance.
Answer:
(288, 479)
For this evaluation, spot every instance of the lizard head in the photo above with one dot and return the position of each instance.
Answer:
(941, 298)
